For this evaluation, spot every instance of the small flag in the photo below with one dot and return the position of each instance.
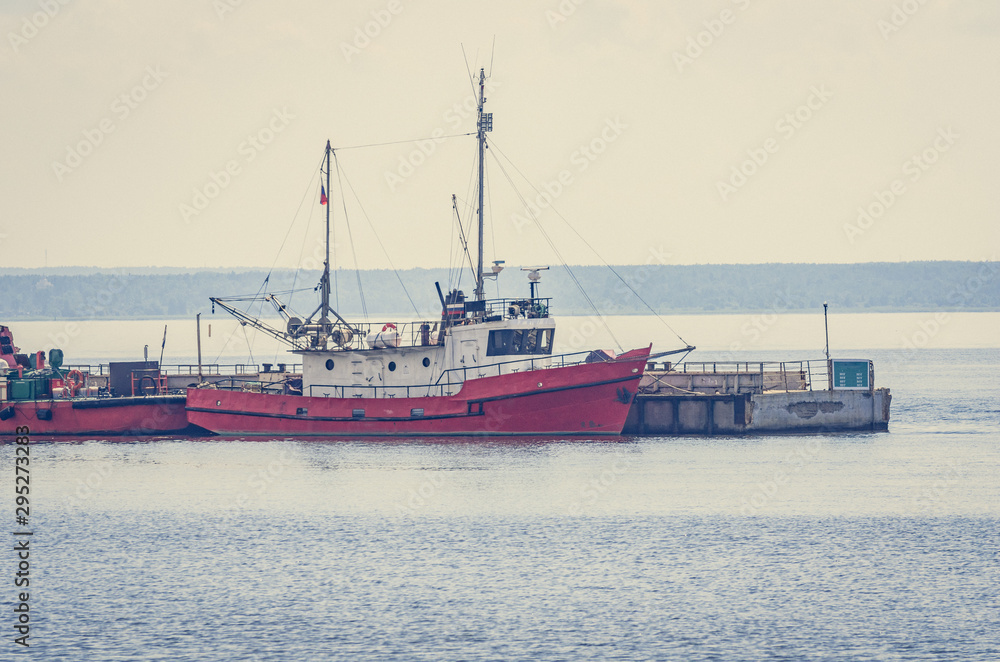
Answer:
(322, 195)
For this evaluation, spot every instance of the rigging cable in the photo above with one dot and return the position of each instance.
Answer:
(350, 239)
(270, 270)
(400, 142)
(462, 237)
(570, 226)
(493, 231)
(249, 348)
(469, 206)
(364, 213)
(555, 250)
(471, 80)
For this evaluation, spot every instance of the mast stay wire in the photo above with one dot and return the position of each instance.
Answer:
(493, 231)
(472, 82)
(462, 236)
(465, 232)
(371, 225)
(455, 277)
(586, 243)
(401, 142)
(350, 237)
(277, 254)
(555, 250)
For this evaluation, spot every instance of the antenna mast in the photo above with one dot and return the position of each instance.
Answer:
(484, 124)
(325, 306)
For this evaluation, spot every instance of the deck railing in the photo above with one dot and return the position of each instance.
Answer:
(447, 383)
(208, 369)
(813, 375)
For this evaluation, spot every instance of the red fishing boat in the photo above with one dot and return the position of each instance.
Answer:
(485, 367)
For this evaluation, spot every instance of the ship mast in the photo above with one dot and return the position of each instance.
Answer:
(484, 124)
(324, 319)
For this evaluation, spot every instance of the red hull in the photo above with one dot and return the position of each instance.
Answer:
(587, 399)
(105, 416)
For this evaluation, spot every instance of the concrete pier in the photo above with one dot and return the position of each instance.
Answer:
(756, 398)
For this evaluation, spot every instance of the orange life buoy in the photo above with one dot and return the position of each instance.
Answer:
(74, 380)
(388, 326)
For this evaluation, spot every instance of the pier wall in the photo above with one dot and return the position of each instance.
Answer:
(821, 411)
(751, 413)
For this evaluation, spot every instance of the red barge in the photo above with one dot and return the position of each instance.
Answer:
(50, 400)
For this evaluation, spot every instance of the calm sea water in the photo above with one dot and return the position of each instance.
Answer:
(880, 546)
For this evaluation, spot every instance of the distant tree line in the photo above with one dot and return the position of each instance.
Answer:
(719, 288)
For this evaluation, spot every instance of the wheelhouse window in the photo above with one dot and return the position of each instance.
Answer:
(519, 341)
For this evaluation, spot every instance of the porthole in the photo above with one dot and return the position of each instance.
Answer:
(392, 366)
(329, 364)
(426, 362)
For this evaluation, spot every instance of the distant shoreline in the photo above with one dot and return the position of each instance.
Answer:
(77, 293)
(380, 316)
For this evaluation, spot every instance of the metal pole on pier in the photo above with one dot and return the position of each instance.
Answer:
(829, 366)
(826, 327)
(197, 319)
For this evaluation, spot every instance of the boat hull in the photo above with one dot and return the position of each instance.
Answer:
(587, 399)
(98, 416)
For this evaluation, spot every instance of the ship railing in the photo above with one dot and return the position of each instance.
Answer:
(449, 382)
(292, 384)
(498, 309)
(423, 333)
(369, 391)
(808, 375)
(410, 334)
(523, 364)
(207, 369)
(507, 308)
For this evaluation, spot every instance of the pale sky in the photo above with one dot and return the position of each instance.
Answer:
(117, 116)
